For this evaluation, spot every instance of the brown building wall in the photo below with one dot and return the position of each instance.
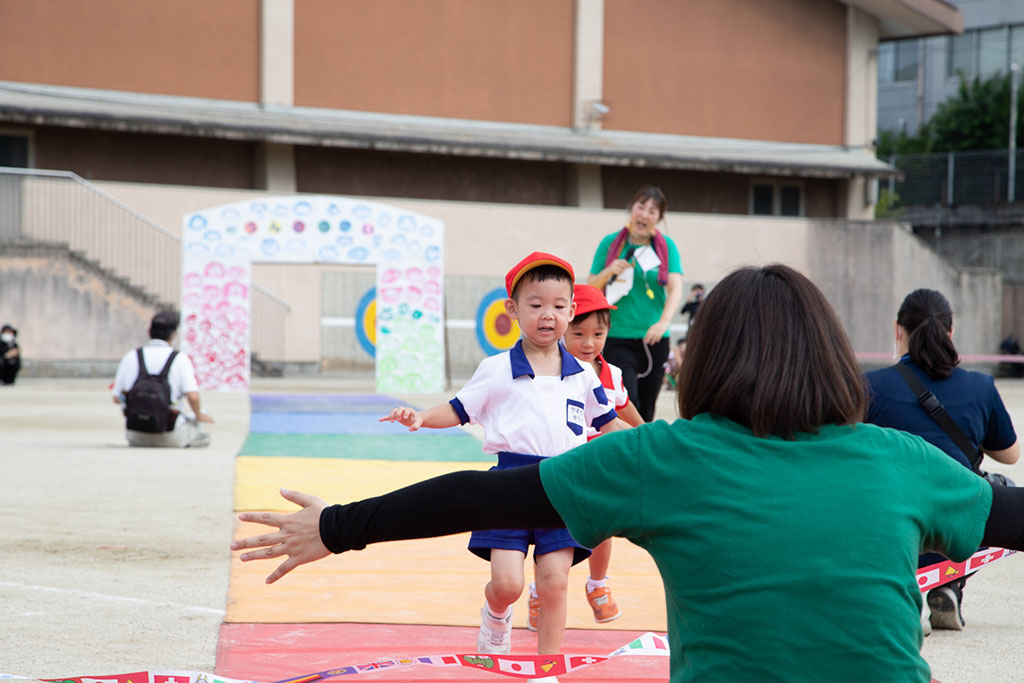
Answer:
(143, 158)
(701, 192)
(495, 60)
(750, 69)
(186, 47)
(427, 176)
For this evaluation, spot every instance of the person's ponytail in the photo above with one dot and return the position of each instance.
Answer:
(927, 317)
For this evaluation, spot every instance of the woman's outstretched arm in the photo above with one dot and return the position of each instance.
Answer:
(449, 504)
(1005, 526)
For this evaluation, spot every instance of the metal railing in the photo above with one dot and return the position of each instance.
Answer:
(61, 208)
(956, 178)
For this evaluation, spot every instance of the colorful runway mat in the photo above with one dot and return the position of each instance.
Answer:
(399, 599)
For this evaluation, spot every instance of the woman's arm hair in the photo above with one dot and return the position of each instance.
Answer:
(1005, 525)
(449, 504)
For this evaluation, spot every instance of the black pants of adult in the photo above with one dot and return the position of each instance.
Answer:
(643, 370)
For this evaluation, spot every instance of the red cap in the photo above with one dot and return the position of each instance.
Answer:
(534, 260)
(589, 299)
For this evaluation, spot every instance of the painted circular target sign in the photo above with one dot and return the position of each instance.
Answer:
(495, 330)
(366, 322)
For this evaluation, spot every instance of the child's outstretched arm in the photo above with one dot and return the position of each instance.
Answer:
(630, 415)
(613, 426)
(438, 417)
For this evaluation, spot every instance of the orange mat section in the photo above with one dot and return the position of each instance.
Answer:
(270, 652)
(430, 581)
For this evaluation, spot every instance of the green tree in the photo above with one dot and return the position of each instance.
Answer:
(977, 117)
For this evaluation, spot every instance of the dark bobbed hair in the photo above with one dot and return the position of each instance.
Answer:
(927, 316)
(650, 192)
(768, 352)
(603, 314)
(540, 274)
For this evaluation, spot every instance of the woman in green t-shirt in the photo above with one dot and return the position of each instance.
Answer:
(638, 269)
(785, 530)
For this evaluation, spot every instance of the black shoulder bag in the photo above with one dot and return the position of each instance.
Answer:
(935, 410)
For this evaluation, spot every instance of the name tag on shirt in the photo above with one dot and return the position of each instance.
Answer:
(574, 418)
(647, 258)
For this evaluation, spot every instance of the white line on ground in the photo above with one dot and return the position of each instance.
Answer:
(104, 596)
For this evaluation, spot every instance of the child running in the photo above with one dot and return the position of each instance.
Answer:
(534, 401)
(585, 339)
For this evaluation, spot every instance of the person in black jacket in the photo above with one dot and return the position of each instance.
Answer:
(10, 355)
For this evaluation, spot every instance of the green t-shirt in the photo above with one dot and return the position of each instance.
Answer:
(781, 560)
(637, 311)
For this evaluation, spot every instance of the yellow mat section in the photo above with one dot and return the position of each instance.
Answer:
(259, 479)
(430, 581)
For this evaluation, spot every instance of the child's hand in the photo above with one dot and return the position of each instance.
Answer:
(405, 415)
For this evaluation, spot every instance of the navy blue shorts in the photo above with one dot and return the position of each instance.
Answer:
(543, 540)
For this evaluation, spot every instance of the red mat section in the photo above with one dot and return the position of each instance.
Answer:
(270, 652)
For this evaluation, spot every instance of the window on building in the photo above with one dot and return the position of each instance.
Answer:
(763, 200)
(906, 60)
(789, 200)
(960, 54)
(769, 198)
(14, 151)
(993, 51)
(886, 62)
(1017, 45)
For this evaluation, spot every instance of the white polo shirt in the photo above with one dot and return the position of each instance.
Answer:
(181, 378)
(523, 413)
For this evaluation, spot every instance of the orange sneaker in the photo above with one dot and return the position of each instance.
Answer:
(531, 623)
(604, 606)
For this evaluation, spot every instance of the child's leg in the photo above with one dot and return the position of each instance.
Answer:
(599, 595)
(599, 559)
(552, 584)
(506, 584)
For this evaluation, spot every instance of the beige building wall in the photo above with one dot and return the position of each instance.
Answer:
(864, 267)
(728, 68)
(195, 48)
(498, 60)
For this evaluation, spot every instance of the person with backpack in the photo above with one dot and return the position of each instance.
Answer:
(150, 384)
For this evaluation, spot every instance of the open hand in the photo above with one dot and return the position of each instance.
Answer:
(298, 535)
(405, 415)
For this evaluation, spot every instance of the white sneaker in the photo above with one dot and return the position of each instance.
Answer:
(495, 637)
(548, 679)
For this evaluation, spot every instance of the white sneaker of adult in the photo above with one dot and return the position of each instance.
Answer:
(495, 637)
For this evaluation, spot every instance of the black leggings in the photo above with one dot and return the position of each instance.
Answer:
(643, 369)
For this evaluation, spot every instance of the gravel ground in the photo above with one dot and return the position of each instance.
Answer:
(116, 559)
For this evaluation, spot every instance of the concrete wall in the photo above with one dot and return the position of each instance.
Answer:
(865, 268)
(71, 318)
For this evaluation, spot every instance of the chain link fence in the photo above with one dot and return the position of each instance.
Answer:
(979, 178)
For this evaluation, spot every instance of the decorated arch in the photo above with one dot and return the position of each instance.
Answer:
(222, 242)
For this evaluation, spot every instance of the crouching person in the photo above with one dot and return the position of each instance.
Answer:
(150, 384)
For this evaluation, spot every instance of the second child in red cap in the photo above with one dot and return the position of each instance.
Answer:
(535, 401)
(585, 339)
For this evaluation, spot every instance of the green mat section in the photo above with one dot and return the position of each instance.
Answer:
(435, 448)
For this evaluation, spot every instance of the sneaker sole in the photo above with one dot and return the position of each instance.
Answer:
(944, 612)
(605, 621)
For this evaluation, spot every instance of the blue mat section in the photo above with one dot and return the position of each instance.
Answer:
(332, 414)
(337, 423)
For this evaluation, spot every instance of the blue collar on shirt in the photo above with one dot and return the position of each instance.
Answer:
(521, 366)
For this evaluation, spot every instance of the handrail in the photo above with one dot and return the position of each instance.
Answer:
(71, 175)
(62, 208)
